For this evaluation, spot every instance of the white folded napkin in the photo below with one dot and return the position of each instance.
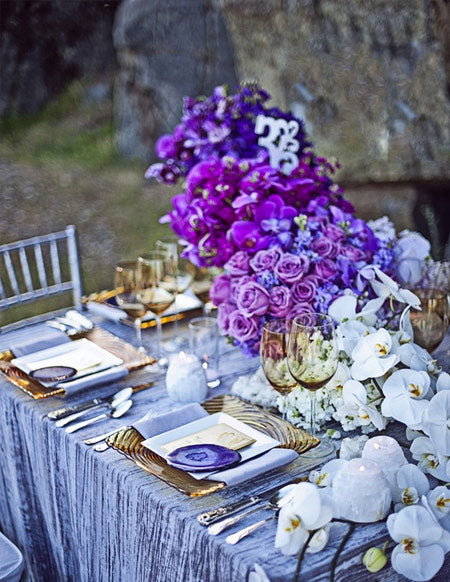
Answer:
(11, 561)
(103, 377)
(107, 311)
(151, 425)
(34, 339)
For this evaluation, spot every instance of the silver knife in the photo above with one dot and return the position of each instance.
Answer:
(214, 515)
(63, 412)
(101, 437)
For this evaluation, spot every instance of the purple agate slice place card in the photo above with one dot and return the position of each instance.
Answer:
(203, 457)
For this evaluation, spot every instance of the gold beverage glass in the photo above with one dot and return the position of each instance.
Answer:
(431, 322)
(126, 284)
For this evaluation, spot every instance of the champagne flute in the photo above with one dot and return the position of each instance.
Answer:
(180, 283)
(155, 277)
(431, 323)
(126, 283)
(201, 284)
(274, 356)
(312, 361)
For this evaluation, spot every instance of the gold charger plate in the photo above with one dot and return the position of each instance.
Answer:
(129, 442)
(132, 360)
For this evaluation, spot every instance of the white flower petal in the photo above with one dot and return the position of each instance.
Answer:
(436, 421)
(443, 382)
(420, 566)
(343, 308)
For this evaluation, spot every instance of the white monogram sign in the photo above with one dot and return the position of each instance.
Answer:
(280, 141)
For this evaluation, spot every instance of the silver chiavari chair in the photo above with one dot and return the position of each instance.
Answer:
(40, 267)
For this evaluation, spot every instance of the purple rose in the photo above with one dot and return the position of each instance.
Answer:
(300, 309)
(238, 264)
(265, 260)
(223, 317)
(236, 284)
(325, 269)
(220, 289)
(334, 232)
(241, 327)
(325, 247)
(253, 299)
(291, 268)
(280, 301)
(304, 290)
(353, 253)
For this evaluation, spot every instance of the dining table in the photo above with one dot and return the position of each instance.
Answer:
(87, 516)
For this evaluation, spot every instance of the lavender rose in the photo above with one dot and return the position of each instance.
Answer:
(265, 260)
(334, 232)
(291, 268)
(241, 327)
(236, 284)
(238, 264)
(220, 289)
(223, 317)
(253, 299)
(353, 253)
(325, 247)
(325, 269)
(304, 290)
(280, 301)
(300, 309)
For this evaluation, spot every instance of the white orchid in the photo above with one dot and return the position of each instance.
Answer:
(443, 382)
(387, 288)
(411, 249)
(319, 539)
(429, 459)
(324, 476)
(416, 358)
(436, 421)
(439, 503)
(422, 543)
(306, 512)
(405, 393)
(409, 485)
(344, 309)
(349, 333)
(356, 406)
(372, 356)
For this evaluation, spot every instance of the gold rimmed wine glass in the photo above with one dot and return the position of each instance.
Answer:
(274, 356)
(126, 284)
(431, 322)
(312, 361)
(155, 291)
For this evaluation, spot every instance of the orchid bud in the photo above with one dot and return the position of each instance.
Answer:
(375, 559)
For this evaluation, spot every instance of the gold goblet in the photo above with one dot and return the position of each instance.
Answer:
(431, 322)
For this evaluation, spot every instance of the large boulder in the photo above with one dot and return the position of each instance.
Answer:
(370, 78)
(166, 49)
(46, 45)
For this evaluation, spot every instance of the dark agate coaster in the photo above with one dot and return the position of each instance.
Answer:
(205, 457)
(53, 373)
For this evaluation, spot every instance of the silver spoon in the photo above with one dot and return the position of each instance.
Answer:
(117, 412)
(278, 499)
(118, 397)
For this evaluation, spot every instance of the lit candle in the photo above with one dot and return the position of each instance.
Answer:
(186, 378)
(361, 492)
(387, 453)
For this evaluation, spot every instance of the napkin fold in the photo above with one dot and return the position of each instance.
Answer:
(103, 377)
(11, 561)
(34, 339)
(107, 311)
(151, 425)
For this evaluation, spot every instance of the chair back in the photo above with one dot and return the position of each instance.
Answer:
(40, 267)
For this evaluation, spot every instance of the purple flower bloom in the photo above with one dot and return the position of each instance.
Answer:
(241, 327)
(300, 309)
(291, 268)
(238, 264)
(304, 290)
(353, 254)
(280, 301)
(220, 289)
(325, 247)
(224, 311)
(166, 147)
(265, 260)
(252, 299)
(325, 269)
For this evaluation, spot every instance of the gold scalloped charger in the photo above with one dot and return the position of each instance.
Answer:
(131, 357)
(129, 443)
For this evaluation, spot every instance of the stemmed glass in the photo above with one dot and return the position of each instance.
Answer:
(431, 323)
(312, 361)
(126, 284)
(200, 286)
(155, 287)
(274, 356)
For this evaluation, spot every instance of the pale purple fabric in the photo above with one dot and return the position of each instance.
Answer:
(11, 561)
(36, 338)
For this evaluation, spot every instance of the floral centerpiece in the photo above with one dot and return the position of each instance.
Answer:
(289, 243)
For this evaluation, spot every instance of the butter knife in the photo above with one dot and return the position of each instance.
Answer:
(209, 517)
(66, 411)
